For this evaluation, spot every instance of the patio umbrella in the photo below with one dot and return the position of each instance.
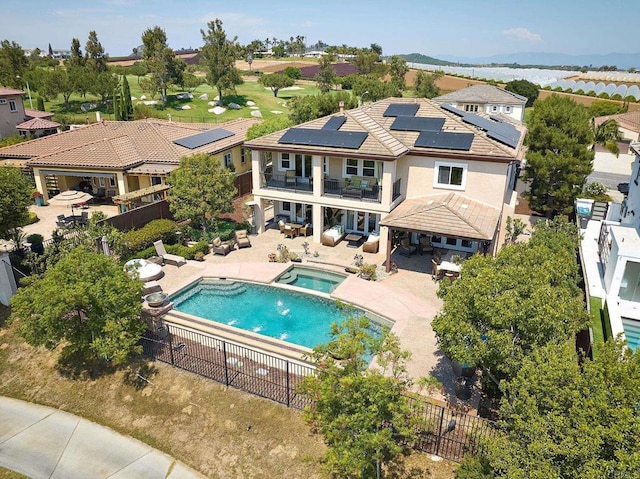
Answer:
(71, 197)
(105, 246)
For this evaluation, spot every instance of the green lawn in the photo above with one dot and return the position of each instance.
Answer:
(596, 324)
(251, 90)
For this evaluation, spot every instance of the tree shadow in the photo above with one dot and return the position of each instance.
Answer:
(5, 313)
(139, 373)
(79, 364)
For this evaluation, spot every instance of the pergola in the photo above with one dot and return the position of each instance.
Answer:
(128, 198)
(448, 214)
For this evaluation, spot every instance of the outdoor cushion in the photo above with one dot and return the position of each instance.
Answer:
(355, 183)
(217, 241)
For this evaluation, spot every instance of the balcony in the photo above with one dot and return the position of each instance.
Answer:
(343, 189)
(296, 184)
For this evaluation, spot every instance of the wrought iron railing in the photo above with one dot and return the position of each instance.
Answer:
(299, 184)
(343, 189)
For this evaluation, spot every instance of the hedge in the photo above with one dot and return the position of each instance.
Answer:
(137, 240)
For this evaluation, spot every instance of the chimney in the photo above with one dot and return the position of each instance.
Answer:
(341, 104)
(98, 116)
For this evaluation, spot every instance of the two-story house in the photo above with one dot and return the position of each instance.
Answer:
(11, 111)
(125, 160)
(399, 164)
(487, 99)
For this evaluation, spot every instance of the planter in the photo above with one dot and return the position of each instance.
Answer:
(272, 258)
(464, 369)
(463, 388)
(155, 300)
(39, 201)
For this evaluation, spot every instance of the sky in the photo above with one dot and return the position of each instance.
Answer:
(469, 28)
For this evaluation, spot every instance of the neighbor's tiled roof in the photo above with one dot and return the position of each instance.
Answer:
(123, 144)
(384, 143)
(37, 124)
(628, 121)
(37, 113)
(447, 214)
(482, 94)
(10, 91)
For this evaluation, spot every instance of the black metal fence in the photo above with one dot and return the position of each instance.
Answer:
(441, 430)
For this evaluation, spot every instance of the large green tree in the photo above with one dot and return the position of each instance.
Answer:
(504, 308)
(362, 413)
(219, 55)
(608, 134)
(161, 62)
(525, 88)
(559, 156)
(201, 189)
(271, 125)
(309, 107)
(326, 77)
(96, 58)
(425, 84)
(15, 199)
(398, 69)
(13, 64)
(127, 104)
(276, 81)
(87, 304)
(565, 416)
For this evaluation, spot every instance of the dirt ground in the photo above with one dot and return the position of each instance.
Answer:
(221, 432)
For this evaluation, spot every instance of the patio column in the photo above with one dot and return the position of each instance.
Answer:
(123, 187)
(317, 222)
(41, 184)
(256, 169)
(318, 178)
(387, 263)
(259, 214)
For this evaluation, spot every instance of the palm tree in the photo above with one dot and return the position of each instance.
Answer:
(608, 135)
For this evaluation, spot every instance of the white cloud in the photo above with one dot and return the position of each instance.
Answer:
(522, 34)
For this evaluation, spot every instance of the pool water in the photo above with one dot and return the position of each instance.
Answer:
(295, 317)
(307, 278)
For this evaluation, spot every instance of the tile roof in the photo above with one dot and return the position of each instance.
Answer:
(37, 124)
(10, 91)
(483, 94)
(447, 214)
(384, 143)
(628, 121)
(123, 144)
(38, 113)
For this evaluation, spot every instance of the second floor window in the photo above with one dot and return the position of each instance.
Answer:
(285, 162)
(507, 109)
(471, 108)
(228, 160)
(156, 180)
(450, 175)
(351, 168)
(12, 105)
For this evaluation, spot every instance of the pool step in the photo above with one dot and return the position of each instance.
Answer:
(214, 287)
(288, 277)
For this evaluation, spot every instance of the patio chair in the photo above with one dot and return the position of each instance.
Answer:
(281, 226)
(305, 230)
(84, 218)
(242, 239)
(290, 232)
(436, 272)
(168, 258)
(425, 245)
(406, 248)
(61, 221)
(218, 247)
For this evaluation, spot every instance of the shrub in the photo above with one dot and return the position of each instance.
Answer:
(33, 218)
(136, 240)
(293, 72)
(226, 229)
(596, 191)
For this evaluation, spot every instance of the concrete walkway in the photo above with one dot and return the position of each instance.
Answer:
(43, 442)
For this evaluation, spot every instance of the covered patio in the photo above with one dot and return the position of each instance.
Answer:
(132, 199)
(451, 222)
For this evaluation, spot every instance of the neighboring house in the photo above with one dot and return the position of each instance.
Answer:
(487, 99)
(12, 111)
(407, 165)
(125, 160)
(628, 125)
(611, 259)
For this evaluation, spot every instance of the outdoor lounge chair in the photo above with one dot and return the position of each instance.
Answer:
(168, 258)
(372, 244)
(242, 239)
(290, 232)
(218, 247)
(406, 248)
(281, 226)
(305, 230)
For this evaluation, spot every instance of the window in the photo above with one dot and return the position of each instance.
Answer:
(325, 165)
(368, 168)
(243, 157)
(156, 180)
(494, 108)
(101, 181)
(285, 163)
(466, 243)
(228, 160)
(12, 105)
(471, 108)
(507, 109)
(286, 206)
(351, 167)
(451, 242)
(112, 181)
(450, 175)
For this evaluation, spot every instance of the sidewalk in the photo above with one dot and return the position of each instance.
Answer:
(43, 442)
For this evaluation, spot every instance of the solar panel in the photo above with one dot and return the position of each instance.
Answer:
(417, 123)
(334, 123)
(204, 138)
(444, 140)
(401, 109)
(452, 109)
(502, 132)
(495, 118)
(337, 139)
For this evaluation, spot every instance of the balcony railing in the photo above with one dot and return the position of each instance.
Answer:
(298, 184)
(341, 189)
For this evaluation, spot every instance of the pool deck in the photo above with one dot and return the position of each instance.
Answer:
(407, 297)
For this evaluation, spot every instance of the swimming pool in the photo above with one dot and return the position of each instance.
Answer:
(631, 332)
(313, 279)
(295, 317)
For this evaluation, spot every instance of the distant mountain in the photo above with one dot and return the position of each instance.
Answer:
(621, 60)
(420, 58)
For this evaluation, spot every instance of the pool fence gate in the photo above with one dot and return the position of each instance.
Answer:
(442, 431)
